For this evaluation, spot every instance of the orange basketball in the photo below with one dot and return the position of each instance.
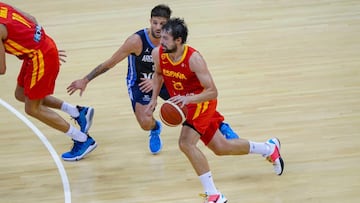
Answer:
(171, 114)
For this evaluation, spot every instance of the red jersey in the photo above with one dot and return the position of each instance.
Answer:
(24, 36)
(180, 80)
(178, 77)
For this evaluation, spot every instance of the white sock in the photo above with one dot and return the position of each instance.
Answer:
(259, 148)
(76, 134)
(70, 109)
(208, 183)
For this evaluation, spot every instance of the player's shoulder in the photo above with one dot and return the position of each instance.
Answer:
(157, 48)
(194, 54)
(134, 38)
(155, 51)
(141, 32)
(134, 41)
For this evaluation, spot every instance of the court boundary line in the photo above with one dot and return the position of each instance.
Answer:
(50, 148)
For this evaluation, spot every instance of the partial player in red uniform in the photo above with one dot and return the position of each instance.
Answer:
(23, 37)
(185, 74)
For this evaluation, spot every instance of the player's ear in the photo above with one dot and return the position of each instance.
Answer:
(178, 40)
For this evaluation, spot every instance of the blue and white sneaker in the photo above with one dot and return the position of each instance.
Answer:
(85, 118)
(228, 133)
(79, 150)
(155, 143)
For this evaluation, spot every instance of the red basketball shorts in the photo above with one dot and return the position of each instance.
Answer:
(39, 72)
(204, 118)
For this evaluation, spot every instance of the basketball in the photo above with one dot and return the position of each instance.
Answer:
(171, 114)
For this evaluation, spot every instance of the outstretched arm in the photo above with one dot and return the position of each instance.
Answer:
(131, 45)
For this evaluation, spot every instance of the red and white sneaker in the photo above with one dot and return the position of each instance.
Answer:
(216, 198)
(275, 157)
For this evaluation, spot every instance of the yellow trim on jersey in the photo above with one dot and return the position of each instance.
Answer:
(182, 57)
(38, 68)
(17, 49)
(3, 12)
(22, 20)
(36, 56)
(205, 106)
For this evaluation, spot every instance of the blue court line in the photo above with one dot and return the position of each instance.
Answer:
(44, 140)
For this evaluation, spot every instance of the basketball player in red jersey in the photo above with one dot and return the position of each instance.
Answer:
(185, 74)
(23, 37)
(137, 49)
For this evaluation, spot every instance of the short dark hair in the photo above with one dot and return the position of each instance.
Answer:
(161, 10)
(176, 27)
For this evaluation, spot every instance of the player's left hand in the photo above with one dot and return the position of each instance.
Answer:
(180, 100)
(146, 85)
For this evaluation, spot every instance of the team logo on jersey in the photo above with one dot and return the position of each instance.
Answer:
(147, 75)
(173, 74)
(146, 98)
(147, 50)
(147, 58)
(163, 56)
(37, 34)
(178, 85)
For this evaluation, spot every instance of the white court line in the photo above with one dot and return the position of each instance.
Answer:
(55, 156)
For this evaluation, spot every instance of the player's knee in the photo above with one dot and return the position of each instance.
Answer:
(146, 125)
(31, 111)
(182, 146)
(185, 146)
(19, 96)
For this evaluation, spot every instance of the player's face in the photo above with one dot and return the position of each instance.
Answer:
(167, 42)
(156, 24)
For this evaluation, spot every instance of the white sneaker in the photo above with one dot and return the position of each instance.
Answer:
(275, 157)
(216, 198)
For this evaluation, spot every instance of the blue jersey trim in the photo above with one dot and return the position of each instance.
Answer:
(148, 39)
(131, 76)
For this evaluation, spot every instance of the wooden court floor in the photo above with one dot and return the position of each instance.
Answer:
(288, 69)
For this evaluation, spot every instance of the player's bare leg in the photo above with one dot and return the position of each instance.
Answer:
(148, 123)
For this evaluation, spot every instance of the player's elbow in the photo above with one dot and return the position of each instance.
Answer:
(214, 93)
